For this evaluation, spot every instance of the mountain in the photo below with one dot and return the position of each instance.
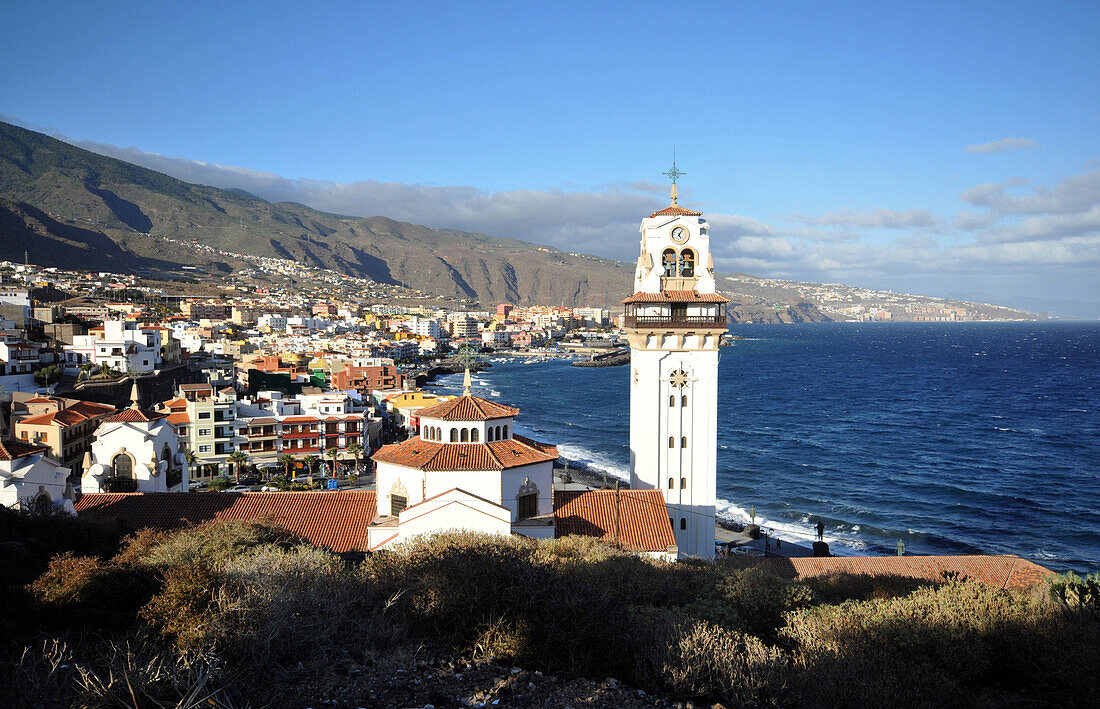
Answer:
(72, 208)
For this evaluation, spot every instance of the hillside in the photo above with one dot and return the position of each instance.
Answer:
(69, 207)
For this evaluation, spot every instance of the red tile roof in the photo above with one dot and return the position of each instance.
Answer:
(675, 210)
(132, 415)
(643, 517)
(78, 413)
(1006, 571)
(676, 296)
(179, 417)
(333, 520)
(467, 408)
(497, 455)
(11, 450)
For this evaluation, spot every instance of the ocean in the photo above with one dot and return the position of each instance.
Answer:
(952, 438)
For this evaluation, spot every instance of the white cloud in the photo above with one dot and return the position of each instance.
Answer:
(1076, 193)
(1003, 145)
(877, 219)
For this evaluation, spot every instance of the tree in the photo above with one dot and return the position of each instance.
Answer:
(356, 451)
(48, 375)
(238, 458)
(333, 453)
(285, 460)
(190, 459)
(310, 461)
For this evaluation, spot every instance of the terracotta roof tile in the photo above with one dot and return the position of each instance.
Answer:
(676, 296)
(467, 408)
(1006, 571)
(643, 517)
(11, 450)
(675, 210)
(178, 417)
(333, 520)
(497, 455)
(132, 415)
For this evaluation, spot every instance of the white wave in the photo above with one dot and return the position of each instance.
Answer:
(594, 461)
(801, 532)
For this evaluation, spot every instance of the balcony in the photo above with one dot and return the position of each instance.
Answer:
(120, 484)
(676, 320)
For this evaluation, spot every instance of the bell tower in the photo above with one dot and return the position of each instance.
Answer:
(674, 322)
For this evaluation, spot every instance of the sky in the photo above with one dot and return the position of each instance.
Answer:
(949, 149)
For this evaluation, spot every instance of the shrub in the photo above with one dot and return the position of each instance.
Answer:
(219, 483)
(182, 610)
(839, 587)
(89, 593)
(213, 543)
(752, 600)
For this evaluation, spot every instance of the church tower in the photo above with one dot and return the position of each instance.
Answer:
(674, 322)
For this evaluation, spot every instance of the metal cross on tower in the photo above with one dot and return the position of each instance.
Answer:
(674, 174)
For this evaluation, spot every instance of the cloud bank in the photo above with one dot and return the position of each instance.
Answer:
(1013, 239)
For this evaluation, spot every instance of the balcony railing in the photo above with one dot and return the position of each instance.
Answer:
(675, 320)
(121, 484)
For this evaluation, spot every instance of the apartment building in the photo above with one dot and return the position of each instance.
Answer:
(64, 427)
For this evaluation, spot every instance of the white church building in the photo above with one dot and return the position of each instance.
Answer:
(135, 451)
(466, 470)
(31, 481)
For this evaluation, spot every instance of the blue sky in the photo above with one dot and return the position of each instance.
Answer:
(824, 141)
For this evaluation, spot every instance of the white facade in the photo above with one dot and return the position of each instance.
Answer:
(674, 323)
(130, 445)
(31, 481)
(123, 346)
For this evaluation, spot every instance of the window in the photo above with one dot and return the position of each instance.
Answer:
(204, 449)
(683, 523)
(498, 433)
(670, 483)
(684, 442)
(672, 400)
(204, 431)
(454, 435)
(671, 523)
(124, 467)
(506, 430)
(528, 505)
(473, 435)
(204, 414)
(684, 400)
(489, 434)
(683, 483)
(687, 263)
(465, 435)
(668, 262)
(398, 503)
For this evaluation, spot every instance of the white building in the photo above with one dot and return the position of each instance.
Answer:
(674, 321)
(121, 345)
(135, 451)
(466, 470)
(31, 481)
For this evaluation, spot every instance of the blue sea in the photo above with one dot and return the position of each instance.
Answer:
(953, 438)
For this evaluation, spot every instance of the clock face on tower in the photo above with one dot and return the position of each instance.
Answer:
(679, 235)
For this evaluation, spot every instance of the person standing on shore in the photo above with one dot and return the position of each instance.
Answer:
(820, 531)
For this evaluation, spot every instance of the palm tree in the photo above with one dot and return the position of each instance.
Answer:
(355, 450)
(238, 458)
(310, 461)
(189, 458)
(285, 460)
(332, 453)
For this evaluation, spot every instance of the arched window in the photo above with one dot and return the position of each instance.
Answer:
(684, 400)
(465, 435)
(668, 262)
(670, 483)
(672, 400)
(489, 435)
(498, 433)
(684, 442)
(473, 435)
(671, 441)
(683, 523)
(687, 263)
(454, 435)
(124, 467)
(505, 431)
(683, 483)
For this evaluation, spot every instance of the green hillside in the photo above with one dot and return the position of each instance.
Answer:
(70, 207)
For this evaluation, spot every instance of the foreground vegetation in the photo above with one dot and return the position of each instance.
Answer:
(239, 615)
